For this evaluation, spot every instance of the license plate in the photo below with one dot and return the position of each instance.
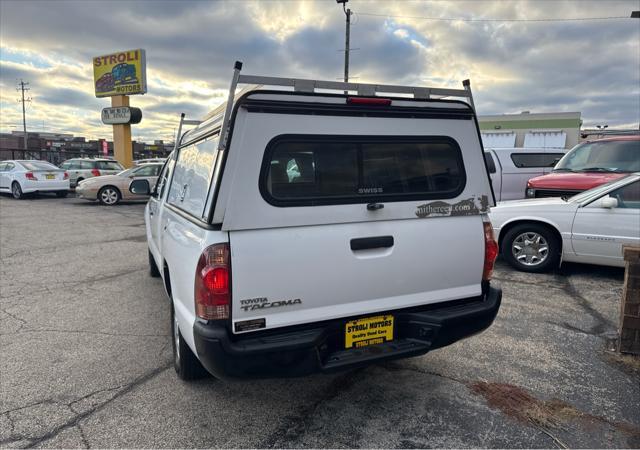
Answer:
(368, 331)
(50, 176)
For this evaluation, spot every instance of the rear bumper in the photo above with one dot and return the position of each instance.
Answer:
(51, 186)
(303, 351)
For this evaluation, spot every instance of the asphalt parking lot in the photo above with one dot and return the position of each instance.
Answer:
(86, 359)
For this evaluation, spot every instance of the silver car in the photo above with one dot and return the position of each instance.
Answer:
(110, 189)
(82, 168)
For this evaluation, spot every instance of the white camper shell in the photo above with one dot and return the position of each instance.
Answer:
(301, 231)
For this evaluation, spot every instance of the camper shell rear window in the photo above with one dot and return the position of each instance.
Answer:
(308, 170)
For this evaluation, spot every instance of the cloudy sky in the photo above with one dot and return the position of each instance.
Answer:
(591, 66)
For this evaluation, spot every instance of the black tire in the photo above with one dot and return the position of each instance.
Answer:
(16, 191)
(62, 194)
(109, 195)
(153, 267)
(187, 365)
(531, 238)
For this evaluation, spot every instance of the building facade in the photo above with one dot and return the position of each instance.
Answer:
(56, 147)
(547, 130)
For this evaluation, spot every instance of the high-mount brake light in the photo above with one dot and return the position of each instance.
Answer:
(212, 289)
(490, 250)
(369, 101)
(30, 176)
(95, 172)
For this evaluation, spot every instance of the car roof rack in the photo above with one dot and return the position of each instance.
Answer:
(363, 89)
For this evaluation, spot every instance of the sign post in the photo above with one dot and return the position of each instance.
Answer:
(119, 75)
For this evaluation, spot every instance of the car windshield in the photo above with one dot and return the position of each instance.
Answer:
(126, 172)
(597, 191)
(606, 156)
(37, 165)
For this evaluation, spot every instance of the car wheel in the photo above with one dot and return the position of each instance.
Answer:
(109, 195)
(62, 194)
(16, 190)
(184, 361)
(531, 247)
(153, 267)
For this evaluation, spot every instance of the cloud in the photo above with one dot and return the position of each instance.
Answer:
(590, 66)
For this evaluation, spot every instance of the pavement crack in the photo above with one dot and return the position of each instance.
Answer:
(602, 323)
(47, 401)
(395, 367)
(13, 316)
(79, 417)
(90, 332)
(293, 427)
(83, 436)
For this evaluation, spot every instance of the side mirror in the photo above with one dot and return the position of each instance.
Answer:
(609, 202)
(140, 187)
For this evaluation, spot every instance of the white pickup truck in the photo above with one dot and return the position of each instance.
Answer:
(302, 231)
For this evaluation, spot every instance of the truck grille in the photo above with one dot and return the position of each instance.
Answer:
(542, 193)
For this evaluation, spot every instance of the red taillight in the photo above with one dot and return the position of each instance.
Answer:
(30, 176)
(95, 172)
(212, 288)
(66, 176)
(490, 250)
(368, 101)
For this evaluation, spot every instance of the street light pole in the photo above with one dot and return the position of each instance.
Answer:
(347, 13)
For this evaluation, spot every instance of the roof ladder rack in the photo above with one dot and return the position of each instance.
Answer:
(184, 121)
(363, 89)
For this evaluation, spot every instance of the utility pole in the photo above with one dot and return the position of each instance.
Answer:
(23, 88)
(346, 45)
(347, 13)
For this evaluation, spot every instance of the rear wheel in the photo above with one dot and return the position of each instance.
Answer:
(153, 267)
(62, 194)
(109, 195)
(16, 190)
(531, 247)
(184, 361)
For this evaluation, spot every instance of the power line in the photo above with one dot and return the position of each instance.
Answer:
(460, 19)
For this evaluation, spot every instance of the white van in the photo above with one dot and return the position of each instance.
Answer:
(302, 231)
(511, 168)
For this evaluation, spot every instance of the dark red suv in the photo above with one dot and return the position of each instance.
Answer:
(588, 165)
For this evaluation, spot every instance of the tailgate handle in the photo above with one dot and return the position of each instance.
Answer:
(371, 242)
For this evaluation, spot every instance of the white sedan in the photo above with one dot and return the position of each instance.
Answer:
(21, 177)
(536, 235)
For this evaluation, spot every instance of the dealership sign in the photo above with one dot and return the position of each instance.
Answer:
(121, 115)
(122, 73)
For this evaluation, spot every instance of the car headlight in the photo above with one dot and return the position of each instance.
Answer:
(530, 193)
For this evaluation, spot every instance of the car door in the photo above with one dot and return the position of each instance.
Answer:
(3, 181)
(598, 233)
(495, 172)
(155, 206)
(518, 167)
(146, 172)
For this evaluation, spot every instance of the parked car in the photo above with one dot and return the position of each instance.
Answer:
(20, 177)
(138, 162)
(536, 235)
(511, 168)
(110, 189)
(82, 168)
(376, 247)
(588, 165)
